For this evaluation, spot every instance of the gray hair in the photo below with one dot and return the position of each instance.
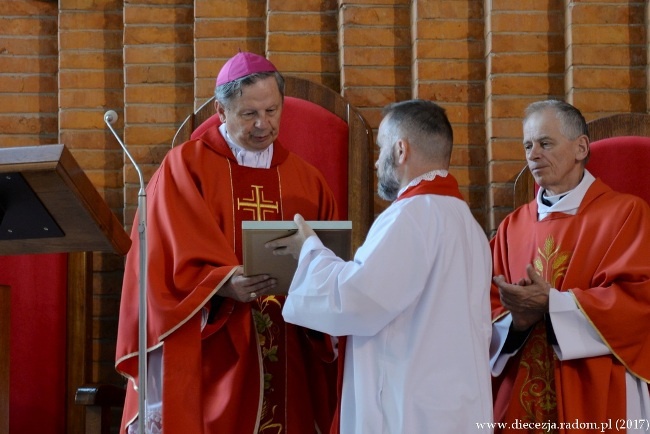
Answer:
(233, 89)
(426, 126)
(572, 123)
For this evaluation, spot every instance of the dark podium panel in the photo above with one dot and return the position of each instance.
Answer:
(48, 205)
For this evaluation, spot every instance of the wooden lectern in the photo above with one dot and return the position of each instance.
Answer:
(48, 205)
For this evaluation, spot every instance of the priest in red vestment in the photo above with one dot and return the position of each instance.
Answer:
(220, 357)
(571, 295)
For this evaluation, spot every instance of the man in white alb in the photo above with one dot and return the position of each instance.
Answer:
(414, 302)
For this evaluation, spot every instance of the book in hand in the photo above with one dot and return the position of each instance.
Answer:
(335, 235)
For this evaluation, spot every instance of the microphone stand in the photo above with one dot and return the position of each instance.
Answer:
(110, 117)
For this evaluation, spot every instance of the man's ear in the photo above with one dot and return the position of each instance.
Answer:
(403, 150)
(582, 151)
(221, 110)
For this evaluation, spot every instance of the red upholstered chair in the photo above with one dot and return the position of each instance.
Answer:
(319, 125)
(620, 156)
(622, 163)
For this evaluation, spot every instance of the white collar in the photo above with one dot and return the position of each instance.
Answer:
(257, 160)
(570, 202)
(429, 176)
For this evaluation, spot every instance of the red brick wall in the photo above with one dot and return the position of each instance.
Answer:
(89, 83)
(449, 67)
(375, 57)
(28, 73)
(301, 39)
(158, 83)
(606, 50)
(63, 64)
(524, 62)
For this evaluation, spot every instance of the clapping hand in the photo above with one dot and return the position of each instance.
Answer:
(527, 300)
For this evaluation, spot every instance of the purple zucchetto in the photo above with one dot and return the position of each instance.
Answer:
(243, 64)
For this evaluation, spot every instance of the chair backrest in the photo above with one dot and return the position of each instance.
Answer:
(620, 154)
(320, 126)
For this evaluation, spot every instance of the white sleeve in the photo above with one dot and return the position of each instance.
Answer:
(499, 334)
(362, 296)
(576, 337)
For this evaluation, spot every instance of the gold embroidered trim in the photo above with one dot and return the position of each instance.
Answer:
(537, 396)
(264, 327)
(232, 201)
(602, 338)
(277, 169)
(195, 311)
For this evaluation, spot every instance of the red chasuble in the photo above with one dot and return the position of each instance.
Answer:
(247, 371)
(601, 256)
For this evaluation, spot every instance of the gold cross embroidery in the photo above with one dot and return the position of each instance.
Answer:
(257, 203)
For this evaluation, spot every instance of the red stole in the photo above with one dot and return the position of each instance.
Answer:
(441, 186)
(256, 196)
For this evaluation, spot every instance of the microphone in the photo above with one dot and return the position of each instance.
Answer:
(110, 117)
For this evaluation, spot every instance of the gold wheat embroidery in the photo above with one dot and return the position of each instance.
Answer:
(551, 263)
(537, 396)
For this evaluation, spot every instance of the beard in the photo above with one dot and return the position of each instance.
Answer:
(387, 183)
